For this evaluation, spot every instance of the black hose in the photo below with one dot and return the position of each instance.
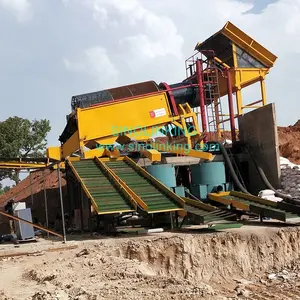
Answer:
(231, 169)
(268, 184)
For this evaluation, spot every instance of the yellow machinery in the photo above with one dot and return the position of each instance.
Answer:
(243, 62)
(224, 64)
(138, 117)
(133, 115)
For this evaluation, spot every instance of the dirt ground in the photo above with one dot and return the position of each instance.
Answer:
(247, 263)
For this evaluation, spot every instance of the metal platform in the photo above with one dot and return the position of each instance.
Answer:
(202, 213)
(264, 208)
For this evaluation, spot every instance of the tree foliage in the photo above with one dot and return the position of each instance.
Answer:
(22, 138)
(3, 190)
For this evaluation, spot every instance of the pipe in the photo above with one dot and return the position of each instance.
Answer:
(218, 188)
(46, 206)
(230, 106)
(201, 97)
(231, 169)
(268, 184)
(61, 204)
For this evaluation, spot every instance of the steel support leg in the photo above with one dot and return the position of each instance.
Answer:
(61, 204)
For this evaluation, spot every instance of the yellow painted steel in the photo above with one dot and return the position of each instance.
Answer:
(95, 206)
(136, 198)
(253, 198)
(99, 152)
(94, 152)
(152, 154)
(218, 197)
(74, 158)
(62, 166)
(105, 159)
(71, 145)
(139, 169)
(198, 204)
(241, 76)
(186, 113)
(23, 165)
(54, 153)
(244, 41)
(106, 123)
(182, 150)
(123, 187)
(132, 116)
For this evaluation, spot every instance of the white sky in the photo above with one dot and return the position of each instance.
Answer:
(53, 49)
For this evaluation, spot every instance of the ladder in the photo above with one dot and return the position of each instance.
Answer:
(210, 79)
(214, 113)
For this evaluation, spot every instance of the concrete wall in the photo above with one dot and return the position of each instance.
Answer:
(258, 129)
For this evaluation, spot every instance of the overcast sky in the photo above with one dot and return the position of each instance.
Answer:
(53, 49)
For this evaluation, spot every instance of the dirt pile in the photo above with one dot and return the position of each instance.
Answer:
(252, 261)
(215, 258)
(289, 142)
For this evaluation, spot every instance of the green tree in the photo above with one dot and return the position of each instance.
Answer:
(22, 138)
(3, 190)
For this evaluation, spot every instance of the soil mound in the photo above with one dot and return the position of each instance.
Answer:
(289, 142)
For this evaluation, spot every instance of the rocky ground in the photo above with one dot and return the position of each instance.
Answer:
(249, 263)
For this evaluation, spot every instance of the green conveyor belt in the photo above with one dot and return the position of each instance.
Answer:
(105, 193)
(155, 199)
(261, 209)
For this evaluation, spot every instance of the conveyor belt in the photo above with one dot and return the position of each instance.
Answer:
(155, 196)
(105, 194)
(120, 185)
(257, 205)
(205, 213)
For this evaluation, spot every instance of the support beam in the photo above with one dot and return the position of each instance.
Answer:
(30, 223)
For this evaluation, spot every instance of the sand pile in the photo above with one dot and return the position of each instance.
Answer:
(289, 142)
(166, 266)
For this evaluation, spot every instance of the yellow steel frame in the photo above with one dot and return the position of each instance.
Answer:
(20, 164)
(178, 149)
(72, 145)
(83, 186)
(152, 154)
(116, 119)
(23, 165)
(253, 198)
(119, 183)
(243, 77)
(125, 187)
(199, 204)
(85, 189)
(218, 197)
(244, 41)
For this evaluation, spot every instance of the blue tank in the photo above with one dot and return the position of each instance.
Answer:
(208, 173)
(165, 173)
(208, 177)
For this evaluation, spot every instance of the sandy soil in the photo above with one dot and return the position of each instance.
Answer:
(248, 263)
